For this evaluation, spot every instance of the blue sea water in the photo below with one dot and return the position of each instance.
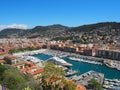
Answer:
(85, 67)
(42, 56)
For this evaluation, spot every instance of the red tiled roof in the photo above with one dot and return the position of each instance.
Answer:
(19, 63)
(79, 87)
(37, 71)
(1, 53)
(28, 69)
(2, 61)
(10, 57)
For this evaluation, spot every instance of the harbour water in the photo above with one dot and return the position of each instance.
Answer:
(83, 67)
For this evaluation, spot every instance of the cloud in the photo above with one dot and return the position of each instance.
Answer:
(18, 26)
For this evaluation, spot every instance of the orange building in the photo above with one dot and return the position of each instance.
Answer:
(10, 59)
(79, 87)
(2, 61)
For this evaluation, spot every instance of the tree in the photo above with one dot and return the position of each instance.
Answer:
(2, 69)
(51, 70)
(69, 85)
(27, 88)
(53, 78)
(93, 84)
(13, 50)
(52, 74)
(12, 80)
(32, 84)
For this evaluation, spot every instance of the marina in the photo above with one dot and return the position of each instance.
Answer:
(83, 60)
(83, 67)
(77, 65)
(35, 60)
(59, 61)
(78, 69)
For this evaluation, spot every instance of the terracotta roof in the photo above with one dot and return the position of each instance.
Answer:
(28, 69)
(19, 63)
(37, 71)
(2, 61)
(79, 87)
(10, 57)
(1, 53)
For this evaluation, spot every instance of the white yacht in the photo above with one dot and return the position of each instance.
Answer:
(59, 61)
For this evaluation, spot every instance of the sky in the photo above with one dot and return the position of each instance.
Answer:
(30, 13)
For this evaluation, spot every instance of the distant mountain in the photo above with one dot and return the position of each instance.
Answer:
(35, 32)
(100, 33)
(47, 31)
(101, 26)
(51, 27)
(10, 32)
(57, 30)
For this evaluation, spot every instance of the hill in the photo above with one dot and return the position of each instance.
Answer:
(108, 31)
(38, 31)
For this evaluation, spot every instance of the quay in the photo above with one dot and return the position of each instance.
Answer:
(86, 77)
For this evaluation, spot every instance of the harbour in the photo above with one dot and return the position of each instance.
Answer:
(83, 67)
(78, 68)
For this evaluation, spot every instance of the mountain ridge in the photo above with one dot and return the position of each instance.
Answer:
(57, 29)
